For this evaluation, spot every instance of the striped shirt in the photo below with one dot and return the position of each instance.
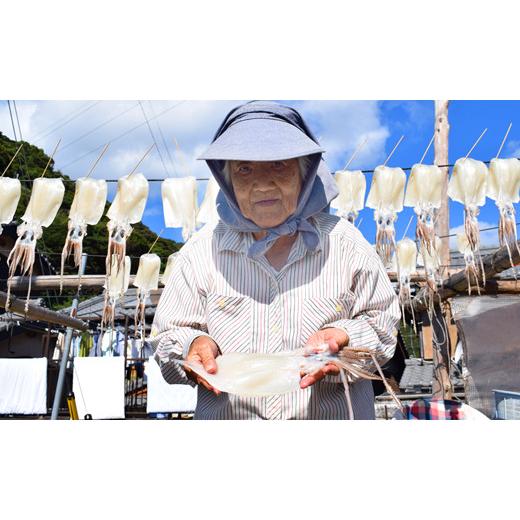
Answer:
(246, 305)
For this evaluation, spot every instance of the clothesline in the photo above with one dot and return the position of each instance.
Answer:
(407, 168)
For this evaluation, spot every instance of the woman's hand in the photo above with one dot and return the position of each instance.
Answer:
(203, 350)
(336, 339)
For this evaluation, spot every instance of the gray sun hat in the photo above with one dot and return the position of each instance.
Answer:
(258, 136)
(265, 131)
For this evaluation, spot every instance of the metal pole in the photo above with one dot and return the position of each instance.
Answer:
(66, 349)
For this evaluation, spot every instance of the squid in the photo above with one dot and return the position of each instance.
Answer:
(86, 209)
(386, 198)
(127, 208)
(504, 188)
(168, 268)
(351, 198)
(10, 192)
(464, 247)
(146, 279)
(179, 196)
(208, 209)
(116, 285)
(406, 253)
(468, 185)
(46, 198)
(424, 194)
(263, 375)
(431, 261)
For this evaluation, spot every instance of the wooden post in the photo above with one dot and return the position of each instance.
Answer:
(441, 387)
(442, 226)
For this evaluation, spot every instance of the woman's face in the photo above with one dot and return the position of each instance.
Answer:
(266, 191)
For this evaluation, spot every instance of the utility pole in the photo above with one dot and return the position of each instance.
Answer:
(442, 226)
(441, 385)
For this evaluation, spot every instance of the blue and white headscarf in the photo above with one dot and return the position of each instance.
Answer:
(263, 131)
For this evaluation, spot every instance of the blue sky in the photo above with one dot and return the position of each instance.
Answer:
(85, 126)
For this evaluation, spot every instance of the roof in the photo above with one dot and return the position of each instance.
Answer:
(418, 376)
(92, 309)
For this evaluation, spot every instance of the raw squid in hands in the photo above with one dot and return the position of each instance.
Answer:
(127, 208)
(45, 201)
(351, 198)
(468, 185)
(386, 198)
(504, 188)
(262, 375)
(179, 197)
(168, 268)
(208, 209)
(116, 285)
(86, 209)
(464, 247)
(146, 279)
(406, 265)
(424, 193)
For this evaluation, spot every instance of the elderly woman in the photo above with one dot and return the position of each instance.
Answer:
(276, 273)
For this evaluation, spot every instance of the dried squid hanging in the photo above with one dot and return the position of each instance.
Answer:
(424, 194)
(168, 268)
(468, 185)
(116, 285)
(127, 208)
(504, 188)
(86, 209)
(465, 248)
(45, 201)
(208, 209)
(386, 198)
(10, 192)
(406, 253)
(146, 280)
(351, 198)
(179, 196)
(431, 262)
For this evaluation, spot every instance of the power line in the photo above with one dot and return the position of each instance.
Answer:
(67, 121)
(56, 122)
(17, 120)
(163, 139)
(97, 127)
(123, 135)
(153, 138)
(12, 122)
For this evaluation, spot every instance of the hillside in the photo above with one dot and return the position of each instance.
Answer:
(30, 164)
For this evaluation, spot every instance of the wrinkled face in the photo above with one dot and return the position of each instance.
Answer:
(266, 191)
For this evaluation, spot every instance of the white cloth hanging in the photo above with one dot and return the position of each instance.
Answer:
(179, 196)
(208, 208)
(98, 384)
(23, 386)
(163, 397)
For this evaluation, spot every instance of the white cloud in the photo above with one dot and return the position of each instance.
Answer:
(343, 125)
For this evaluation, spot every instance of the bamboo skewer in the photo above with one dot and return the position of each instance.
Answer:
(504, 140)
(141, 160)
(11, 161)
(155, 242)
(50, 158)
(97, 160)
(392, 152)
(356, 152)
(476, 142)
(427, 148)
(406, 230)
